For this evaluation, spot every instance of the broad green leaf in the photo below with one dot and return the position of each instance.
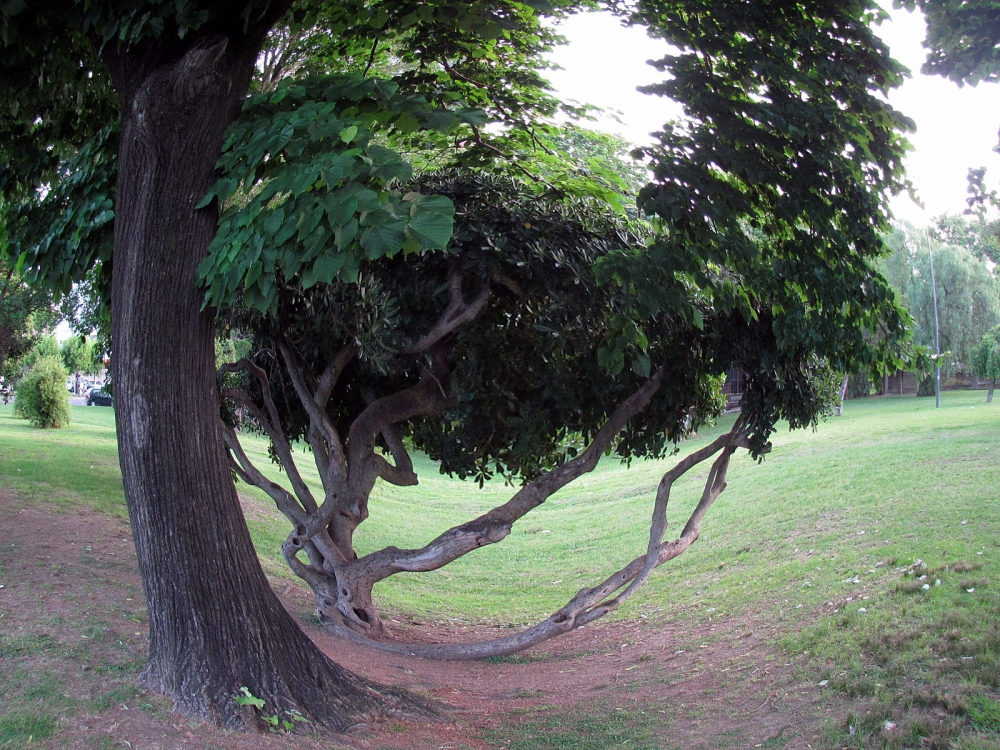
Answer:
(328, 265)
(347, 134)
(431, 229)
(384, 240)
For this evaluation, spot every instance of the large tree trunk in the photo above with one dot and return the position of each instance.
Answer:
(989, 393)
(215, 625)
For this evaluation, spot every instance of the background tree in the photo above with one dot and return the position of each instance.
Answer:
(45, 346)
(986, 359)
(77, 354)
(603, 157)
(980, 237)
(24, 313)
(968, 294)
(790, 152)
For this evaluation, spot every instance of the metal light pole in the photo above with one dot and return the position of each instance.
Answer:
(937, 328)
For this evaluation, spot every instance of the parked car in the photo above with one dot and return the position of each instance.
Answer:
(99, 397)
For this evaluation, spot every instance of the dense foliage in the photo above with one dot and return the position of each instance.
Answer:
(986, 358)
(526, 379)
(41, 395)
(771, 196)
(961, 39)
(24, 312)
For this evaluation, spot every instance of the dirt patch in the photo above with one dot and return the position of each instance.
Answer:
(73, 634)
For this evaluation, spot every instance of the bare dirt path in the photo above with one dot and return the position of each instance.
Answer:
(73, 634)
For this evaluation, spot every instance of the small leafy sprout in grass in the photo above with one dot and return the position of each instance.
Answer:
(275, 722)
(909, 586)
(973, 583)
(983, 713)
(963, 567)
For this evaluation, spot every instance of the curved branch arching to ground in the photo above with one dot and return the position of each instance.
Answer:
(592, 603)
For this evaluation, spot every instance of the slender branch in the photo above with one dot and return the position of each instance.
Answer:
(237, 469)
(278, 440)
(250, 474)
(245, 365)
(371, 56)
(457, 314)
(328, 380)
(317, 415)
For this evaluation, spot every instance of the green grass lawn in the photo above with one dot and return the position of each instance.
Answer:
(72, 466)
(831, 523)
(893, 479)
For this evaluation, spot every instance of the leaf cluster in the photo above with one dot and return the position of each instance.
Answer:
(771, 196)
(309, 188)
(526, 381)
(962, 39)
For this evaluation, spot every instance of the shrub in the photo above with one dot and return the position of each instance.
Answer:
(41, 396)
(927, 387)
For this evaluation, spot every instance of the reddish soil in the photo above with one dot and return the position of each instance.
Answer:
(72, 606)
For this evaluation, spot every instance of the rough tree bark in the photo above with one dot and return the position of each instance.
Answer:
(215, 624)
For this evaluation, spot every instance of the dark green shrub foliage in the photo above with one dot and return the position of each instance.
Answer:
(41, 396)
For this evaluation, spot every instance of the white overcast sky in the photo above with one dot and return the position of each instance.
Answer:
(956, 127)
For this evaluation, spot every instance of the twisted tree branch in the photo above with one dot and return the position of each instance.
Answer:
(277, 437)
(495, 525)
(592, 603)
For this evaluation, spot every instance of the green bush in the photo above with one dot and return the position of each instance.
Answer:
(41, 396)
(927, 387)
